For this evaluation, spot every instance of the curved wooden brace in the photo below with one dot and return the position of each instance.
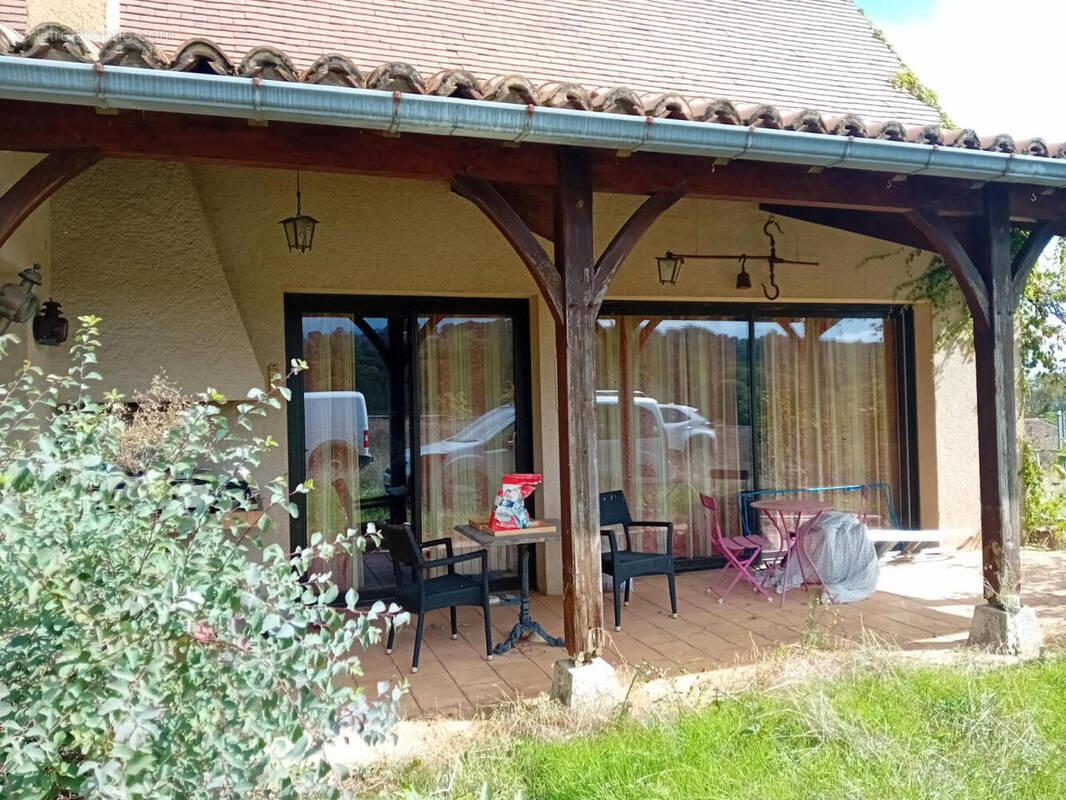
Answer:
(488, 198)
(38, 184)
(949, 247)
(626, 239)
(1025, 259)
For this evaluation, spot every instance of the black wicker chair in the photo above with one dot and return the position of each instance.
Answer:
(624, 564)
(417, 593)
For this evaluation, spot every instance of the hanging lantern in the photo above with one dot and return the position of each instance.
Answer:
(669, 268)
(50, 326)
(300, 229)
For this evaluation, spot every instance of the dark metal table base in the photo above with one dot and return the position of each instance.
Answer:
(526, 624)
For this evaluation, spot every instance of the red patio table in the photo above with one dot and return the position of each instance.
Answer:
(780, 511)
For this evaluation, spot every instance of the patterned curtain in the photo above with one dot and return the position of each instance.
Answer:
(827, 403)
(467, 423)
(332, 436)
(683, 431)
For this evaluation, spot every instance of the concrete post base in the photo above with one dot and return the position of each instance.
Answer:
(1013, 632)
(593, 686)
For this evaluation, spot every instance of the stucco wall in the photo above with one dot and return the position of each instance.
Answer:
(956, 442)
(84, 16)
(189, 268)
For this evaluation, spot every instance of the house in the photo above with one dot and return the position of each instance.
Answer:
(498, 189)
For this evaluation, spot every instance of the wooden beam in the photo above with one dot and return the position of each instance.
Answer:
(576, 360)
(486, 197)
(535, 205)
(944, 241)
(38, 184)
(996, 418)
(47, 127)
(1025, 259)
(627, 237)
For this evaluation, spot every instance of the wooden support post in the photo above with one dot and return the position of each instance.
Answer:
(996, 415)
(992, 283)
(574, 285)
(575, 355)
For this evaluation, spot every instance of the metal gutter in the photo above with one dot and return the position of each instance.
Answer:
(187, 93)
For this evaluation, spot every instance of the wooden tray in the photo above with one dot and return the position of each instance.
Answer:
(535, 526)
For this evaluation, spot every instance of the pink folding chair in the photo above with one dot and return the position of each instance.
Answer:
(740, 552)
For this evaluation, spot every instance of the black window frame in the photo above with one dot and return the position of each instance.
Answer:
(411, 307)
(906, 495)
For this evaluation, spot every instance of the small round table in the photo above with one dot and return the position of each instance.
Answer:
(780, 512)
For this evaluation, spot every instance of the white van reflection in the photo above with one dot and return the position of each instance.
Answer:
(335, 425)
(483, 450)
(480, 452)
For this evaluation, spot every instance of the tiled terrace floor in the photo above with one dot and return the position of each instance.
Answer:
(924, 604)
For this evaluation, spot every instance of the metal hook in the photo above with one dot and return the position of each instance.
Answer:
(777, 289)
(766, 229)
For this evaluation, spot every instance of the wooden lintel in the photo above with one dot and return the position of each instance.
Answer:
(48, 127)
(944, 241)
(627, 237)
(38, 184)
(488, 198)
(1025, 259)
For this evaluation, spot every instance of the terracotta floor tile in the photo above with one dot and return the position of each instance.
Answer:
(921, 605)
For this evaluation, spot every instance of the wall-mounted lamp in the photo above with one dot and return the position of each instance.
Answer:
(669, 268)
(670, 264)
(18, 303)
(50, 326)
(300, 229)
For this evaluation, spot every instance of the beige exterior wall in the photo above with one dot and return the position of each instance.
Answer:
(956, 441)
(188, 268)
(84, 16)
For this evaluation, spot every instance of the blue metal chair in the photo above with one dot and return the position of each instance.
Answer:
(419, 594)
(625, 564)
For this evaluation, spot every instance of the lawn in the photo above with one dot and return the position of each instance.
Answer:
(931, 732)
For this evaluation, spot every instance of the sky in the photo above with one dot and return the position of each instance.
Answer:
(996, 66)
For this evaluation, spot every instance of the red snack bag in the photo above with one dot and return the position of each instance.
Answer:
(509, 512)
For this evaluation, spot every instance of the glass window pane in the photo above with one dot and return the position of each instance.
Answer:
(815, 395)
(467, 423)
(827, 405)
(336, 435)
(686, 427)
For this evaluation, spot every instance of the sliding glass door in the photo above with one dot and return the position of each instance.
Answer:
(827, 403)
(410, 410)
(724, 403)
(468, 435)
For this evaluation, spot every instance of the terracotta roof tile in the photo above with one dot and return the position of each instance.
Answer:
(797, 54)
(627, 81)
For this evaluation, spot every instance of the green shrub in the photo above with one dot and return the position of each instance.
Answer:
(147, 650)
(1044, 501)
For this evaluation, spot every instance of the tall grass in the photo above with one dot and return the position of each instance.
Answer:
(907, 733)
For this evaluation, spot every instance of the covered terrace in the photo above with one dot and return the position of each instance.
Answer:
(536, 161)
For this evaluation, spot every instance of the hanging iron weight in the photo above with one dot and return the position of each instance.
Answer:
(772, 259)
